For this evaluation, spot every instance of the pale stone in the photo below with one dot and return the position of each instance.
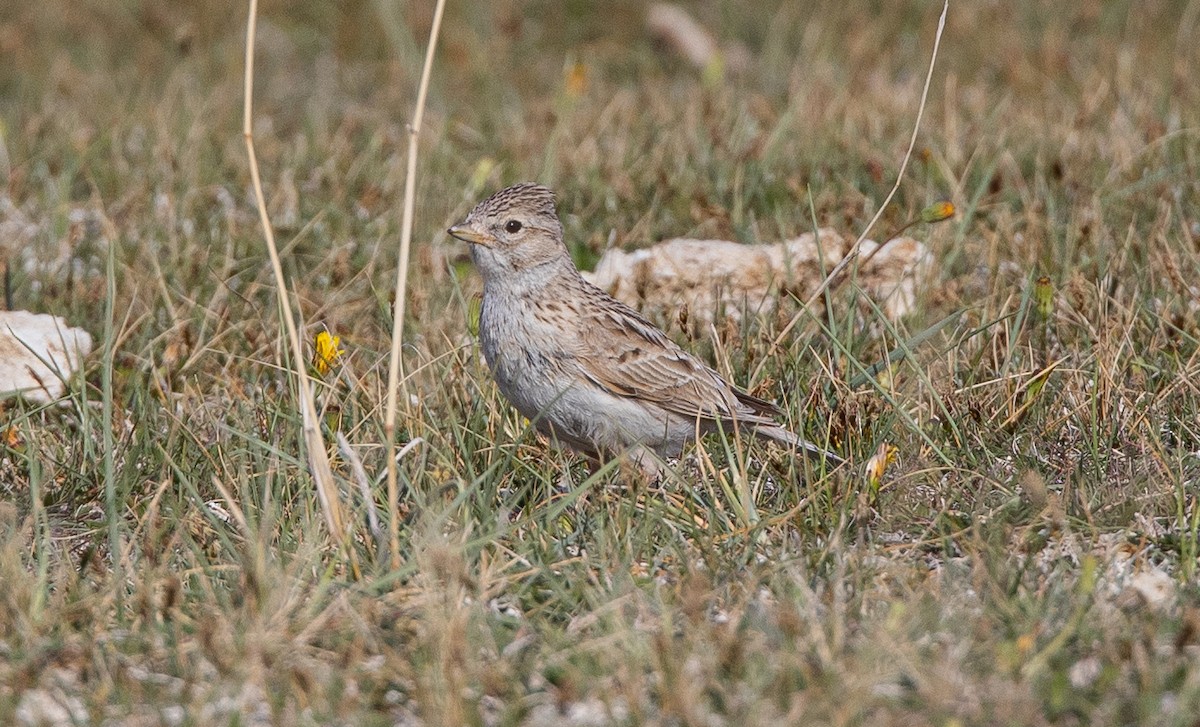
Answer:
(711, 275)
(38, 353)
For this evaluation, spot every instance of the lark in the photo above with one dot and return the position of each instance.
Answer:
(587, 370)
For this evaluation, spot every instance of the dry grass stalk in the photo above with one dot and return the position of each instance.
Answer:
(852, 255)
(318, 458)
(394, 380)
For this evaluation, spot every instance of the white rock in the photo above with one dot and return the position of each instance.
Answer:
(38, 353)
(707, 275)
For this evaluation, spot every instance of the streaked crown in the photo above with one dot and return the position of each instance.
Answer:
(524, 198)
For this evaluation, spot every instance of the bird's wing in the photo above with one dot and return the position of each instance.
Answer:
(628, 356)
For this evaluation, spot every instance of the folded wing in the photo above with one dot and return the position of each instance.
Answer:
(628, 356)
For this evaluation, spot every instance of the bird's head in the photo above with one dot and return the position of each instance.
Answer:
(513, 231)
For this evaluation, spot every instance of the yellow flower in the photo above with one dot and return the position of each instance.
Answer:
(11, 437)
(576, 80)
(937, 212)
(327, 352)
(884, 456)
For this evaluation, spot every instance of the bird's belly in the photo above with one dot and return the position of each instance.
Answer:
(593, 421)
(530, 378)
(536, 372)
(616, 423)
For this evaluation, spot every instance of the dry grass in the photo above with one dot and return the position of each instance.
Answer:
(1030, 559)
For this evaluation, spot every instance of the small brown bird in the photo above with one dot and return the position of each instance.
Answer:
(586, 369)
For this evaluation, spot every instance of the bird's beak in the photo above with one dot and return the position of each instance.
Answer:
(467, 234)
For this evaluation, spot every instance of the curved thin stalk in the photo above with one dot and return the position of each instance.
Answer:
(318, 458)
(394, 364)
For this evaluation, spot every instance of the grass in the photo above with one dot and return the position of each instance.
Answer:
(1029, 559)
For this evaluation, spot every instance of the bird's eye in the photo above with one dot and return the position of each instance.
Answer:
(512, 226)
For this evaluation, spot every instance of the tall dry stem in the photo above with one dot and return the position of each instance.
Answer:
(394, 364)
(852, 253)
(318, 458)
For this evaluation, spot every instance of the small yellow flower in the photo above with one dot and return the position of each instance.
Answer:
(327, 352)
(576, 80)
(937, 212)
(1025, 643)
(878, 464)
(12, 439)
